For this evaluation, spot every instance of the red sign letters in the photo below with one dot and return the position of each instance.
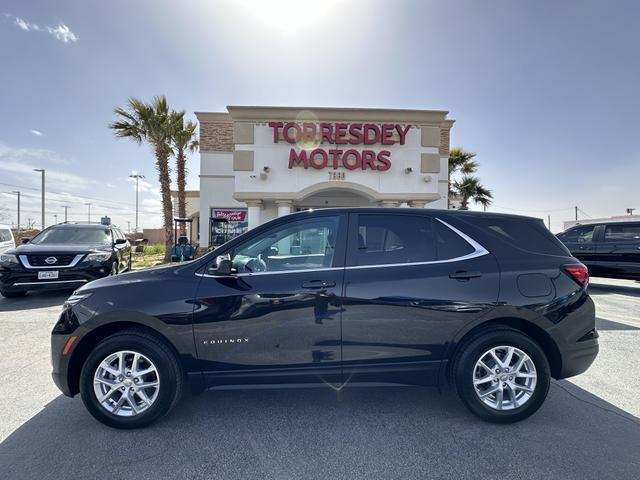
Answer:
(344, 136)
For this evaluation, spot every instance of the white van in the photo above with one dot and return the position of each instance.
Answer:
(6, 238)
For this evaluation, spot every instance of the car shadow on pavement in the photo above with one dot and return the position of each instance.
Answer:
(321, 433)
(34, 300)
(602, 324)
(604, 289)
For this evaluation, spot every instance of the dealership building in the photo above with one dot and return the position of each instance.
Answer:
(259, 163)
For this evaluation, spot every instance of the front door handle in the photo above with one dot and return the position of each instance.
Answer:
(318, 284)
(464, 275)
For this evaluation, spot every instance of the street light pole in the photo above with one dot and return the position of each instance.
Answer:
(18, 193)
(65, 212)
(55, 218)
(41, 170)
(89, 213)
(137, 176)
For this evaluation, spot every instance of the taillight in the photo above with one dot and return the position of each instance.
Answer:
(579, 273)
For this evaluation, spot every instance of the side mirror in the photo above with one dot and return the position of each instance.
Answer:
(24, 240)
(120, 241)
(223, 266)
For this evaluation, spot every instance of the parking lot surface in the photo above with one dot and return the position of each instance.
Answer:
(589, 427)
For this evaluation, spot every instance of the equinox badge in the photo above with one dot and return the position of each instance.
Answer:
(225, 340)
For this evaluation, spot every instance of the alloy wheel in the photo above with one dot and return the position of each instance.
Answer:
(504, 378)
(126, 383)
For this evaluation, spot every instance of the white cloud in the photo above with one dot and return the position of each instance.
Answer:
(37, 133)
(61, 32)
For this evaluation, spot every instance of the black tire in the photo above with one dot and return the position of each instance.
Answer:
(470, 352)
(12, 294)
(152, 347)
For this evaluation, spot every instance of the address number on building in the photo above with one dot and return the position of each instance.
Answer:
(336, 176)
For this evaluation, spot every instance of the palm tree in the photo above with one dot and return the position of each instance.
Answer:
(470, 188)
(183, 141)
(155, 124)
(463, 162)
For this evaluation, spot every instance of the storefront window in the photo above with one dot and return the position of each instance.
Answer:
(226, 223)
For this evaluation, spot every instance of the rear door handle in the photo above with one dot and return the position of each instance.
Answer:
(464, 275)
(318, 284)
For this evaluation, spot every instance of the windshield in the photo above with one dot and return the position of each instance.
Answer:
(67, 235)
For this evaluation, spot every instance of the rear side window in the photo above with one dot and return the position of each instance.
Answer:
(5, 235)
(388, 239)
(396, 239)
(449, 244)
(621, 232)
(529, 235)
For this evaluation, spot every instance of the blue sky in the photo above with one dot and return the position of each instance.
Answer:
(546, 92)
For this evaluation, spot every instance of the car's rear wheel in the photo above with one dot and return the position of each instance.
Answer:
(130, 379)
(501, 375)
(12, 294)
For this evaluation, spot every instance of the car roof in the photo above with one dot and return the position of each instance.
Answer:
(80, 225)
(426, 211)
(5, 226)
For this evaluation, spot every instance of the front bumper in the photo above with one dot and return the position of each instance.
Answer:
(22, 280)
(60, 363)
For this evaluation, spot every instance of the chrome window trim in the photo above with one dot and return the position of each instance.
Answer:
(478, 251)
(44, 282)
(252, 274)
(74, 262)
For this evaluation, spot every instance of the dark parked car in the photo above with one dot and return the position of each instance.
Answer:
(607, 249)
(64, 256)
(493, 303)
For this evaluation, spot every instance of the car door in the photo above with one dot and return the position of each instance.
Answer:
(619, 251)
(581, 242)
(277, 317)
(411, 282)
(6, 239)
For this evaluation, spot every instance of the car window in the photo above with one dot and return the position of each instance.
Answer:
(70, 235)
(621, 232)
(300, 245)
(578, 235)
(389, 239)
(449, 244)
(5, 235)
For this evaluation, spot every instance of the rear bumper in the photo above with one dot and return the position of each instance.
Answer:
(579, 358)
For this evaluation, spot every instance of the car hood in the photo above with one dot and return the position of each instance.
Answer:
(149, 274)
(33, 249)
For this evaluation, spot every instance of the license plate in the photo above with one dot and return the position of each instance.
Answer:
(47, 275)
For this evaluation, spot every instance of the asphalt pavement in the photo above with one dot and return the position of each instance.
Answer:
(589, 427)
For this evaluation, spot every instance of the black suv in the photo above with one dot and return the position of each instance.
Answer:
(607, 249)
(493, 303)
(64, 256)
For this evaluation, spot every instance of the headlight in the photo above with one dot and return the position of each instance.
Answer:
(98, 257)
(6, 258)
(76, 298)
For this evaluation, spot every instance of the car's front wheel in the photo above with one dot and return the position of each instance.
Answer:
(502, 375)
(130, 379)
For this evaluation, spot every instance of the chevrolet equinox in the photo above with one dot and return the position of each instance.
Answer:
(492, 304)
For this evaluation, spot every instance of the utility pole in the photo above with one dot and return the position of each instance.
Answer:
(55, 218)
(18, 193)
(128, 226)
(66, 207)
(576, 213)
(41, 170)
(549, 222)
(137, 176)
(89, 214)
